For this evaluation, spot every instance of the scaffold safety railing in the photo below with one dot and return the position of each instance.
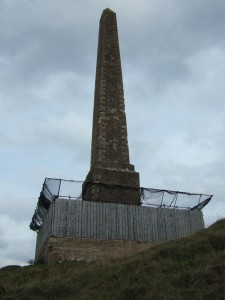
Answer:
(71, 189)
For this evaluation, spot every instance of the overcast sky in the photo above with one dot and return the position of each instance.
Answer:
(173, 61)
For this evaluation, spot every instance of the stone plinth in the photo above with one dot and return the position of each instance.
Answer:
(112, 186)
(58, 249)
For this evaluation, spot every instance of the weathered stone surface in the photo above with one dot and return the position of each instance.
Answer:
(57, 249)
(110, 163)
(111, 189)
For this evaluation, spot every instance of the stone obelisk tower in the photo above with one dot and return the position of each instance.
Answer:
(111, 177)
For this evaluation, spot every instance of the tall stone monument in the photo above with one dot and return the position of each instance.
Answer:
(111, 177)
(111, 222)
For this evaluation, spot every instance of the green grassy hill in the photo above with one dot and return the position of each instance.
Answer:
(189, 268)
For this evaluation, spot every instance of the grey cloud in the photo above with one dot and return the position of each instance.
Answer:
(162, 45)
(36, 43)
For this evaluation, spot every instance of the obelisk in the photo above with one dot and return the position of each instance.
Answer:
(111, 177)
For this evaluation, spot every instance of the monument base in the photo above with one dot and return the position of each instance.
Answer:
(83, 230)
(59, 249)
(110, 185)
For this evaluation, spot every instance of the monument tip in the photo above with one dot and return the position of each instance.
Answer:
(108, 10)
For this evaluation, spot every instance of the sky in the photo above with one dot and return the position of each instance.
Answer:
(173, 62)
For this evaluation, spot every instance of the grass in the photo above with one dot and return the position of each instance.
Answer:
(188, 268)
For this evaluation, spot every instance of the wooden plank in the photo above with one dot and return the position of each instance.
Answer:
(148, 229)
(94, 224)
(59, 220)
(132, 225)
(145, 224)
(110, 208)
(79, 222)
(95, 221)
(153, 224)
(175, 224)
(161, 228)
(109, 211)
(140, 224)
(106, 222)
(120, 222)
(116, 221)
(174, 221)
(67, 219)
(185, 217)
(184, 221)
(69, 230)
(134, 220)
(105, 219)
(113, 221)
(70, 219)
(128, 223)
(87, 220)
(112, 213)
(178, 224)
(197, 225)
(101, 218)
(76, 219)
(166, 222)
(192, 225)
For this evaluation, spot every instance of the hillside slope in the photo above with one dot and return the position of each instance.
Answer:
(189, 268)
